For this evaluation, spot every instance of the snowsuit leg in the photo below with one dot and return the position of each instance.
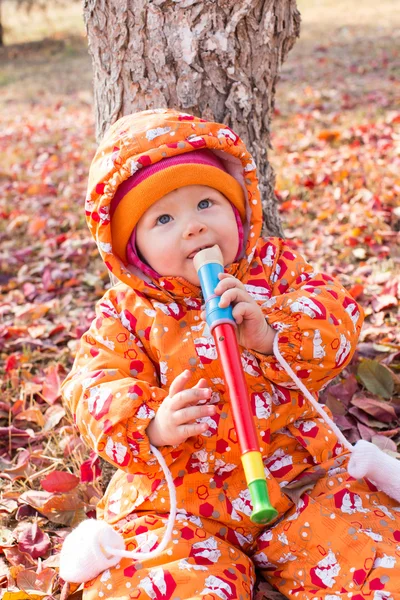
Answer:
(342, 540)
(196, 565)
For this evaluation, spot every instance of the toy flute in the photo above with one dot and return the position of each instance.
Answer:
(209, 263)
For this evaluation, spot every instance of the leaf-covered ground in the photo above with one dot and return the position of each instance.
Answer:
(336, 152)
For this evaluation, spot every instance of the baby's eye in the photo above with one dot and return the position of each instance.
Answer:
(163, 219)
(204, 204)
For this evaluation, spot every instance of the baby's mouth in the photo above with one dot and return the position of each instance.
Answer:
(193, 254)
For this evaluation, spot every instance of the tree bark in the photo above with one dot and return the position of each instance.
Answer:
(215, 59)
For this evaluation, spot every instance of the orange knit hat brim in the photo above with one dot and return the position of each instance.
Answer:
(135, 203)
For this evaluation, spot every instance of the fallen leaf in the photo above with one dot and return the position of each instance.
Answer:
(7, 539)
(377, 378)
(90, 469)
(51, 390)
(379, 409)
(34, 541)
(40, 584)
(303, 483)
(21, 596)
(383, 301)
(15, 557)
(59, 481)
(384, 443)
(53, 416)
(8, 505)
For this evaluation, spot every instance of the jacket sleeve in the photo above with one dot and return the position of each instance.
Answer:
(317, 322)
(113, 391)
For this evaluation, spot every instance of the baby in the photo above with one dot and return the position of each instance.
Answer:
(163, 186)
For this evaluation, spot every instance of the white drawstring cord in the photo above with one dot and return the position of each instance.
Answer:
(366, 459)
(137, 554)
(86, 551)
(308, 395)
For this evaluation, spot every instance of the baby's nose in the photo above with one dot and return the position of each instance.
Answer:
(194, 228)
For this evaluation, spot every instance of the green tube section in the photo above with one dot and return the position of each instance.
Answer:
(263, 512)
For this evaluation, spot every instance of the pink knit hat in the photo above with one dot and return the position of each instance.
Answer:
(151, 183)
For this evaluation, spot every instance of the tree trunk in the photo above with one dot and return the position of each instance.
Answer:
(215, 59)
(1, 30)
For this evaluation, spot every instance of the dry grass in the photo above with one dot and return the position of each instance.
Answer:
(59, 68)
(320, 15)
(55, 21)
(45, 59)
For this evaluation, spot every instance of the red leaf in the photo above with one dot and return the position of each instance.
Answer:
(34, 541)
(90, 469)
(356, 290)
(51, 385)
(12, 362)
(59, 481)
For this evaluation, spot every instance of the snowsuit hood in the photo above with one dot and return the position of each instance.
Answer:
(141, 139)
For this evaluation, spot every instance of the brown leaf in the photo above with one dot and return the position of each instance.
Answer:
(8, 505)
(376, 377)
(39, 583)
(15, 557)
(334, 405)
(379, 409)
(32, 415)
(265, 591)
(303, 483)
(366, 419)
(53, 416)
(22, 471)
(69, 591)
(66, 509)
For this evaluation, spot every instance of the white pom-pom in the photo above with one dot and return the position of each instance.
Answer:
(364, 459)
(83, 555)
(367, 460)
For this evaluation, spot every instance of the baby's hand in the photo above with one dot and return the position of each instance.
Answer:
(253, 330)
(175, 420)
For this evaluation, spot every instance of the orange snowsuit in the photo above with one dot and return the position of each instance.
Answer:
(334, 537)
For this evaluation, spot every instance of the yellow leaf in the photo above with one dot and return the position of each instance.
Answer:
(22, 596)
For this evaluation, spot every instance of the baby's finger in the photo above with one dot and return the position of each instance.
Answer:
(240, 311)
(224, 275)
(233, 295)
(189, 430)
(180, 382)
(202, 383)
(190, 397)
(192, 413)
(227, 283)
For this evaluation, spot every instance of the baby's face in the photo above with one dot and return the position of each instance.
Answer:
(183, 222)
